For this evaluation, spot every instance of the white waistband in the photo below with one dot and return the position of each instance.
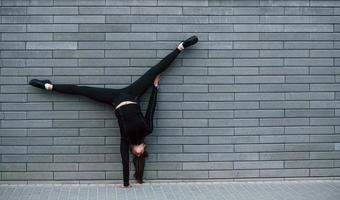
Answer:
(125, 103)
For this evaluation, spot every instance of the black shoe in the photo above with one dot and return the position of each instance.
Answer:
(39, 83)
(190, 41)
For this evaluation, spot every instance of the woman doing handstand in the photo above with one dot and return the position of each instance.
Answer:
(134, 127)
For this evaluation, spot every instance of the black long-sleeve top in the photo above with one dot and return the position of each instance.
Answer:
(134, 127)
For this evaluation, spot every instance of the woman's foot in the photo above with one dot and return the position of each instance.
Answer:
(43, 84)
(188, 42)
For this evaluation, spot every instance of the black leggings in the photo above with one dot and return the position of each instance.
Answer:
(136, 89)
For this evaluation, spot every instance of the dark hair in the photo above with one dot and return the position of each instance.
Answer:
(139, 163)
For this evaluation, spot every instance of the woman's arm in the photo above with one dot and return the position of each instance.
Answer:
(152, 104)
(124, 152)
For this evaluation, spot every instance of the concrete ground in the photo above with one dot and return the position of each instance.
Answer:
(262, 190)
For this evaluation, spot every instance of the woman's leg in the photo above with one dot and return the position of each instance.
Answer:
(103, 95)
(138, 87)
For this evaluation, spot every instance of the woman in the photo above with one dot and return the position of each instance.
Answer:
(134, 127)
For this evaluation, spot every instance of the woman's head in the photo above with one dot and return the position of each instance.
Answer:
(138, 149)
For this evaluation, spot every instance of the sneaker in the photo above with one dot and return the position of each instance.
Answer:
(39, 83)
(190, 41)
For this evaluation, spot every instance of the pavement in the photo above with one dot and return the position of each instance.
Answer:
(256, 190)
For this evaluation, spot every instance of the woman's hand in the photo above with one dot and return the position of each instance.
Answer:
(157, 79)
(122, 186)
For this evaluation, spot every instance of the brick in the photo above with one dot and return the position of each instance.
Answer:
(259, 130)
(131, 3)
(309, 113)
(259, 79)
(283, 70)
(284, 156)
(182, 140)
(78, 54)
(308, 164)
(205, 131)
(310, 147)
(136, 19)
(233, 36)
(233, 53)
(51, 63)
(78, 175)
(258, 11)
(99, 166)
(156, 28)
(26, 123)
(103, 45)
(208, 28)
(258, 28)
(156, 10)
(285, 19)
(308, 62)
(234, 3)
(233, 139)
(26, 141)
(131, 36)
(258, 96)
(51, 45)
(284, 122)
(183, 157)
(52, 132)
(130, 53)
(104, 28)
(310, 96)
(207, 114)
(79, 36)
(325, 172)
(99, 149)
(79, 158)
(283, 87)
(284, 36)
(183, 19)
(77, 123)
(12, 167)
(13, 132)
(27, 175)
(258, 147)
(26, 19)
(26, 71)
(78, 141)
(284, 53)
(308, 11)
(27, 36)
(258, 113)
(52, 28)
(309, 28)
(52, 10)
(234, 174)
(104, 10)
(233, 105)
(232, 122)
(52, 149)
(308, 45)
(182, 174)
(26, 158)
(13, 11)
(12, 28)
(233, 156)
(258, 165)
(284, 3)
(12, 45)
(52, 167)
(232, 19)
(207, 11)
(13, 149)
(284, 172)
(207, 165)
(182, 3)
(79, 19)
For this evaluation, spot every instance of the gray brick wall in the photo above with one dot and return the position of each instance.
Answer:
(257, 98)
